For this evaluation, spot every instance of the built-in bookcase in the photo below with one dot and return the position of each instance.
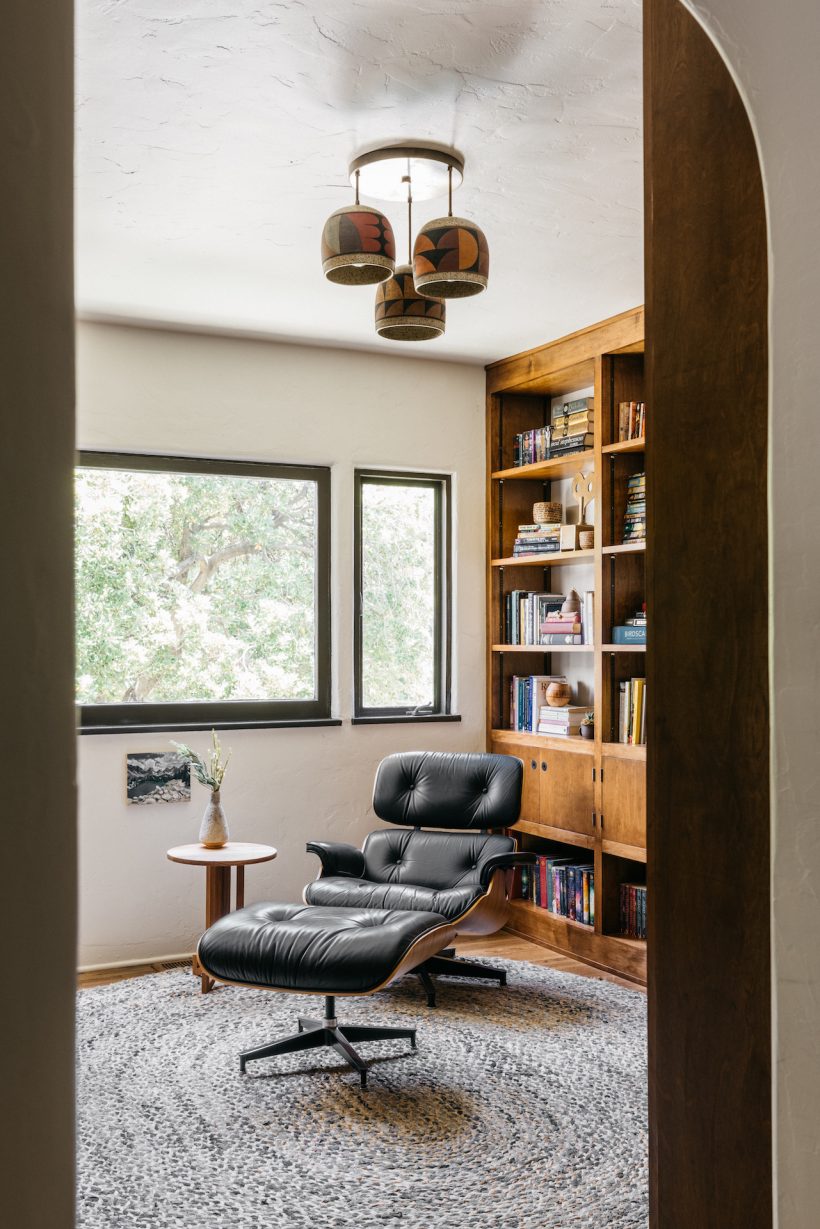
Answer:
(583, 799)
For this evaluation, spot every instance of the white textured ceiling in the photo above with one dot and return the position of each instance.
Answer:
(213, 142)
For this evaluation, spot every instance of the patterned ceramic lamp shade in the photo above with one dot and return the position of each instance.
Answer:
(403, 315)
(451, 259)
(358, 247)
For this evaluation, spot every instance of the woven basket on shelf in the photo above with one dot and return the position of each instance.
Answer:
(547, 513)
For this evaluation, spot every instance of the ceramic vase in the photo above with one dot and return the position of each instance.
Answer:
(213, 833)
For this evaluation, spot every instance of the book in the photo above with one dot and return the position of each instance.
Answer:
(588, 615)
(631, 420)
(629, 635)
(578, 406)
(555, 639)
(527, 698)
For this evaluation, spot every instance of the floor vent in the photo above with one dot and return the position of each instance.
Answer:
(176, 964)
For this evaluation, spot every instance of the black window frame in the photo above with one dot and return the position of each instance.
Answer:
(442, 699)
(228, 714)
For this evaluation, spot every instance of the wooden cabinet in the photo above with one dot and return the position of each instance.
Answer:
(623, 801)
(567, 797)
(530, 793)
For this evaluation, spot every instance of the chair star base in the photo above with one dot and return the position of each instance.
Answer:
(312, 1034)
(447, 964)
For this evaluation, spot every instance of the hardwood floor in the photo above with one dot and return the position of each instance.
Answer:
(503, 945)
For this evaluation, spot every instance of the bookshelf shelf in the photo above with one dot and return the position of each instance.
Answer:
(559, 467)
(582, 797)
(626, 548)
(556, 559)
(547, 832)
(636, 445)
(543, 648)
(572, 743)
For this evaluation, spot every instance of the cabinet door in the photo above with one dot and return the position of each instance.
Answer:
(531, 784)
(567, 797)
(623, 801)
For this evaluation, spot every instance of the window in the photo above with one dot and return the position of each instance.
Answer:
(202, 592)
(402, 595)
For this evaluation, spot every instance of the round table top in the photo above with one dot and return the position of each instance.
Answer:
(235, 853)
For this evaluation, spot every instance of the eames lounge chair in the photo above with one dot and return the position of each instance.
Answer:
(462, 870)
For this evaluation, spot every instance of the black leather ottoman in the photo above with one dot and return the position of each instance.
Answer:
(315, 949)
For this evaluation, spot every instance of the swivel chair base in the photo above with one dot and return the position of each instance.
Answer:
(448, 964)
(328, 1032)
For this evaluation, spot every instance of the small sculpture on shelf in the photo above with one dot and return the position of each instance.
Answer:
(558, 694)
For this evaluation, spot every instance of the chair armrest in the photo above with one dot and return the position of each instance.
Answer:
(338, 859)
(505, 862)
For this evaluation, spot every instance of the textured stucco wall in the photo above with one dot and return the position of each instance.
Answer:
(144, 390)
(772, 51)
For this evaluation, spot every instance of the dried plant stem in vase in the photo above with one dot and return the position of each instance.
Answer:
(213, 832)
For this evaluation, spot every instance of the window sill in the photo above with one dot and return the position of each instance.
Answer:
(405, 719)
(181, 728)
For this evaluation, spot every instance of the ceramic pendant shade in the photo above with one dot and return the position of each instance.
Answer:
(404, 315)
(451, 259)
(358, 247)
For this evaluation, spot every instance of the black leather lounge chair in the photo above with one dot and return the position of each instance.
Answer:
(461, 871)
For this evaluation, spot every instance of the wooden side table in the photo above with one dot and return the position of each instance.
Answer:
(218, 863)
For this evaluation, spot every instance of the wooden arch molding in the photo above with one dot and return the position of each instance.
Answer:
(707, 661)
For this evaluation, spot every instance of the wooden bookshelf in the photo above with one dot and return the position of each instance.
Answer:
(580, 796)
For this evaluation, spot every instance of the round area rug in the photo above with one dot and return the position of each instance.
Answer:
(523, 1108)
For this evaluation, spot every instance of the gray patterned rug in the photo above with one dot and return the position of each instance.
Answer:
(523, 1108)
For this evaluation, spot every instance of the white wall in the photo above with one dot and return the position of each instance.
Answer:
(153, 391)
(772, 50)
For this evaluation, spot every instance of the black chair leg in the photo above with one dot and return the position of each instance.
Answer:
(328, 1032)
(453, 967)
(429, 985)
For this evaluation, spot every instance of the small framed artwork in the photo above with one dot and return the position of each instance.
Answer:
(157, 776)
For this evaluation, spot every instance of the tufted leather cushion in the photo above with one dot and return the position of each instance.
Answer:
(304, 947)
(340, 890)
(430, 859)
(438, 789)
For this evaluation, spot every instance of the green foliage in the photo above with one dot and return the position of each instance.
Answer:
(398, 595)
(212, 772)
(193, 587)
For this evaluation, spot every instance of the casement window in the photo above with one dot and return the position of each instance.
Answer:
(402, 596)
(202, 593)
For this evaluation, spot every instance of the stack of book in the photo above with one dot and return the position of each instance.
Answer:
(528, 695)
(570, 431)
(633, 631)
(524, 612)
(572, 426)
(633, 910)
(537, 538)
(632, 711)
(561, 722)
(631, 420)
(536, 619)
(635, 514)
(559, 885)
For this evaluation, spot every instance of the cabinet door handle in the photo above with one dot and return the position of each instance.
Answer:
(602, 823)
(593, 819)
(543, 765)
(533, 764)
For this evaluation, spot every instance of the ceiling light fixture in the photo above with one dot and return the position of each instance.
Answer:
(449, 260)
(358, 247)
(401, 313)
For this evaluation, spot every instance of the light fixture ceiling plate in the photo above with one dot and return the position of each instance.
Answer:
(383, 172)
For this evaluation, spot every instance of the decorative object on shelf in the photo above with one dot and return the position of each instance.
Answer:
(157, 776)
(569, 537)
(558, 695)
(547, 513)
(583, 488)
(587, 729)
(450, 258)
(358, 247)
(586, 537)
(401, 313)
(572, 603)
(213, 832)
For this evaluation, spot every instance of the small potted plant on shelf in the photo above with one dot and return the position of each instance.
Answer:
(588, 726)
(213, 832)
